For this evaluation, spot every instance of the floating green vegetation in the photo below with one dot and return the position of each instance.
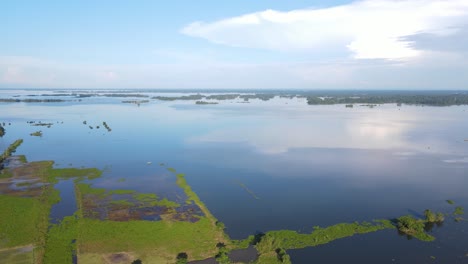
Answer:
(171, 170)
(450, 202)
(432, 217)
(459, 211)
(248, 190)
(10, 150)
(36, 134)
(2, 131)
(414, 227)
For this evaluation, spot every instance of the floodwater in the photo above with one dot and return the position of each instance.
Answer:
(279, 164)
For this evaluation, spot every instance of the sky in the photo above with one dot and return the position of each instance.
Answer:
(242, 44)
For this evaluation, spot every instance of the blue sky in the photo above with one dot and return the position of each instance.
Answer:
(378, 44)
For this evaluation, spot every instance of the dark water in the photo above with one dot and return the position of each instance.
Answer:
(274, 165)
(67, 205)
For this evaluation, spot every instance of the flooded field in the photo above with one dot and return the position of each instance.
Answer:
(125, 180)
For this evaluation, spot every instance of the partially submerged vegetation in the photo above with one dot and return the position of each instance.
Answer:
(205, 103)
(36, 134)
(10, 150)
(243, 186)
(33, 123)
(2, 131)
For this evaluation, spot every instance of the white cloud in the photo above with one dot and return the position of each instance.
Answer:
(372, 29)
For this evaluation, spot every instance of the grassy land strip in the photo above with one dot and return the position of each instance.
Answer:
(10, 150)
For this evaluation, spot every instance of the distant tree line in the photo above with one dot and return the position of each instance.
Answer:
(419, 99)
(13, 100)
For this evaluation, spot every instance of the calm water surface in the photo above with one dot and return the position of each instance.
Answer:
(273, 165)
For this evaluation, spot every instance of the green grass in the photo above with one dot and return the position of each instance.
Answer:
(55, 174)
(20, 219)
(86, 189)
(17, 256)
(59, 247)
(22, 159)
(162, 238)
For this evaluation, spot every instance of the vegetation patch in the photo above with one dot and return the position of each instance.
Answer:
(36, 134)
(459, 211)
(243, 186)
(125, 205)
(413, 227)
(206, 103)
(20, 255)
(10, 150)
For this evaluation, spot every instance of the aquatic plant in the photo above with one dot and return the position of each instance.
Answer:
(2, 131)
(36, 134)
(450, 202)
(458, 211)
(414, 227)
